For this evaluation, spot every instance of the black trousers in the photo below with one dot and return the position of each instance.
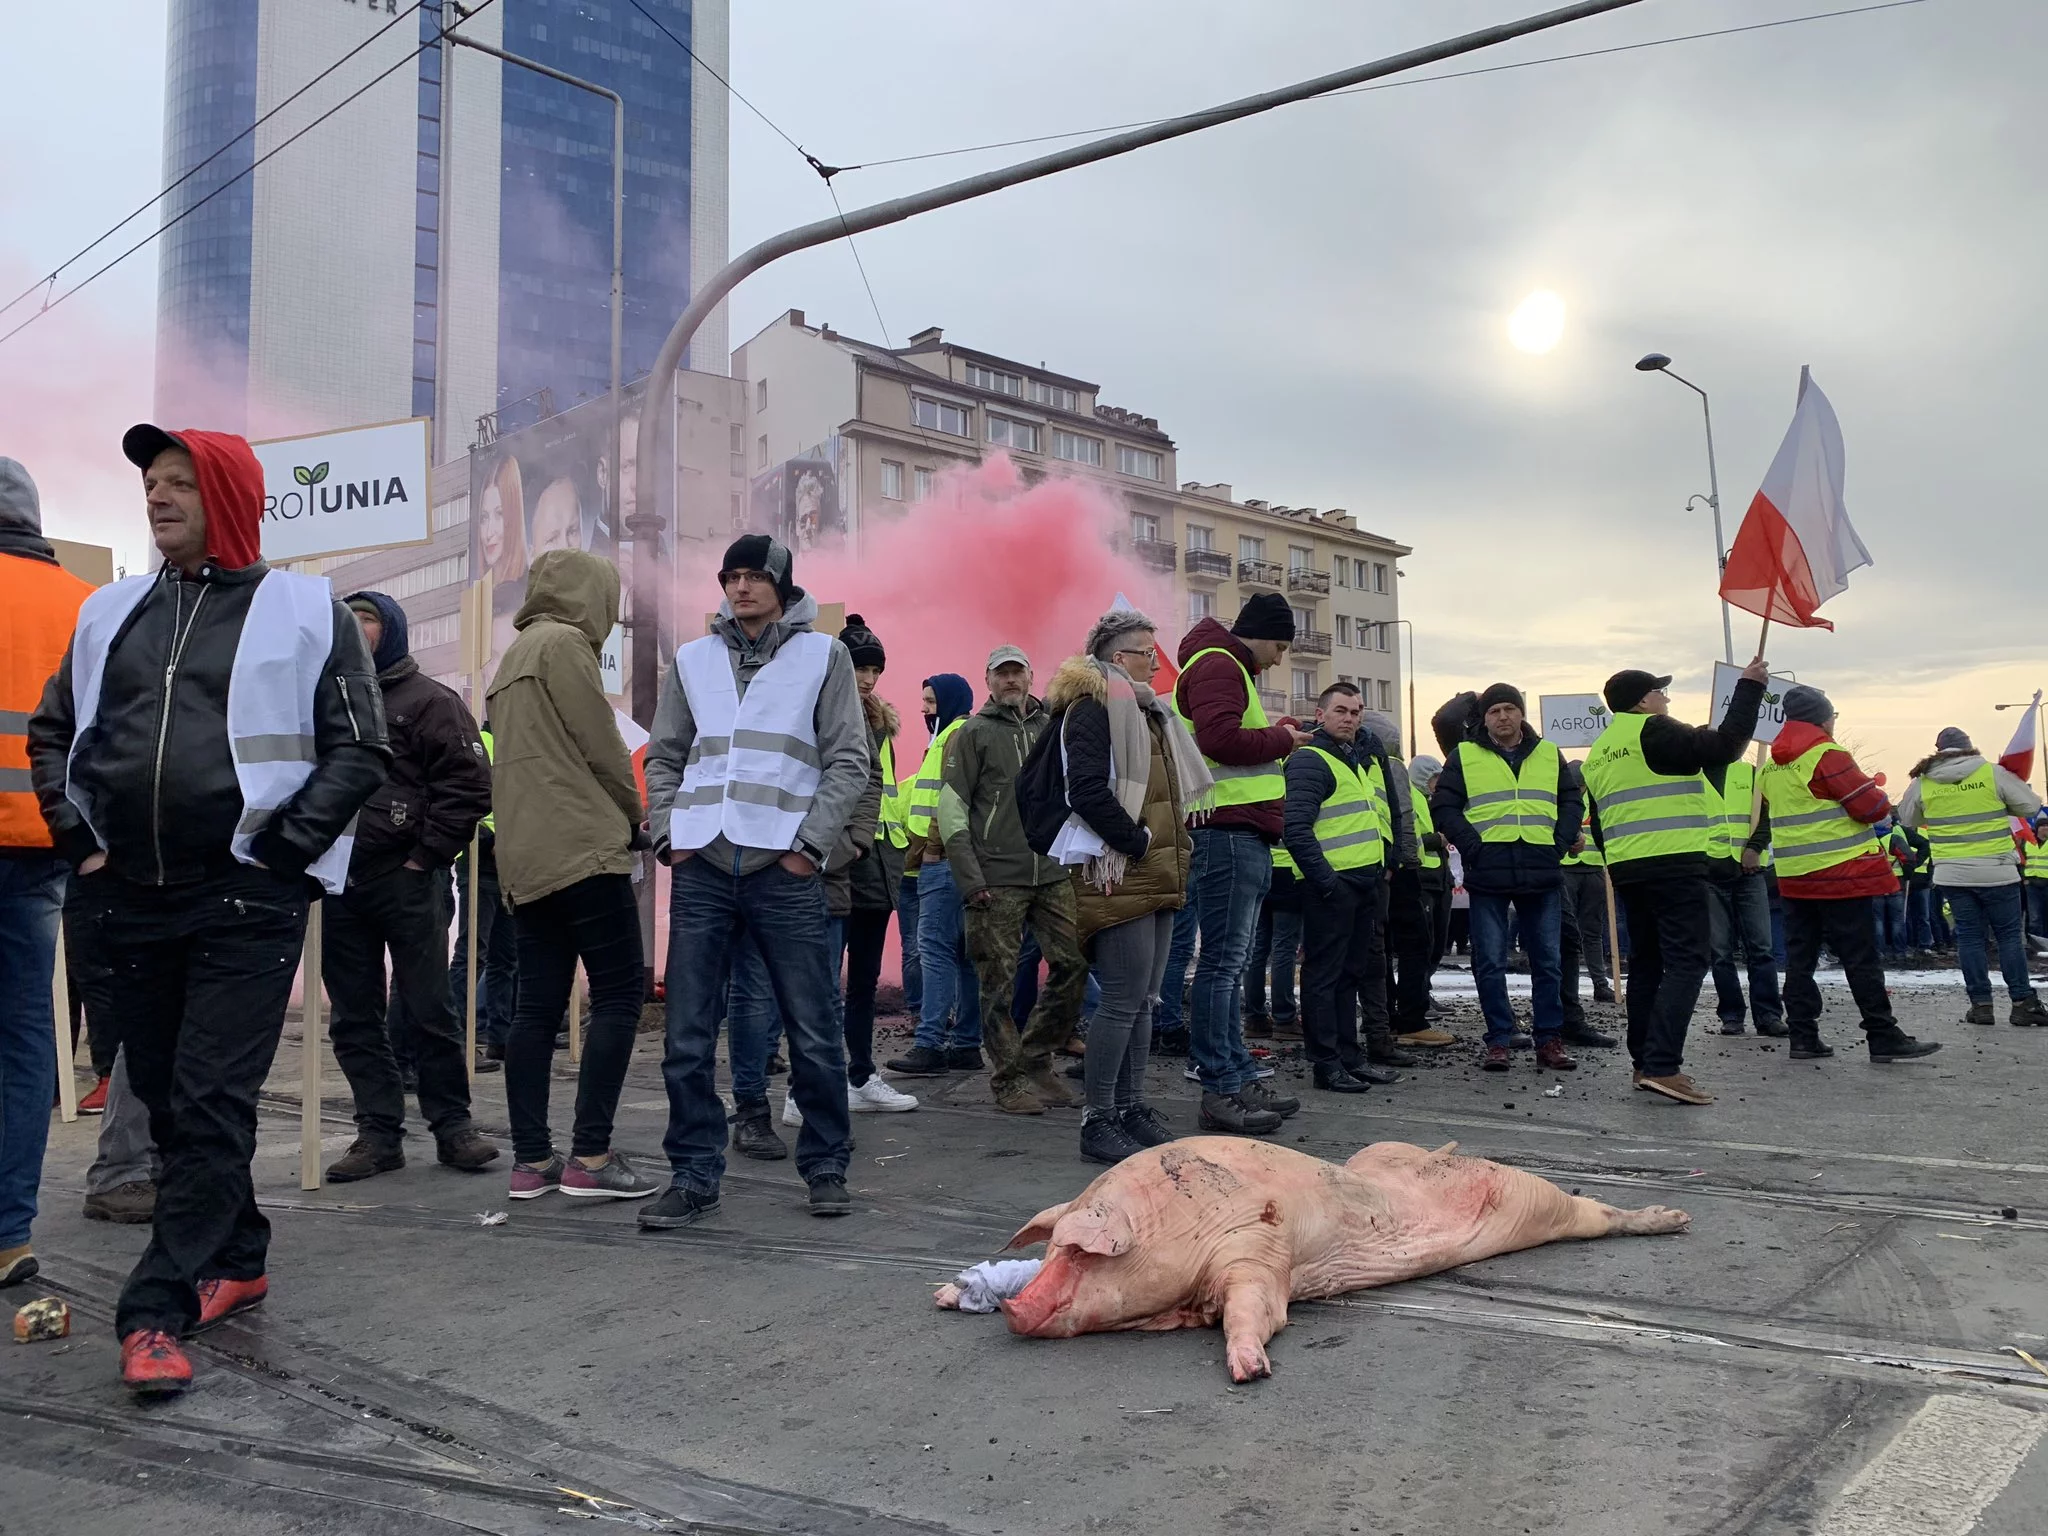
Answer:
(1571, 955)
(1438, 883)
(406, 913)
(865, 934)
(1410, 943)
(1847, 927)
(1343, 966)
(202, 976)
(89, 977)
(1668, 953)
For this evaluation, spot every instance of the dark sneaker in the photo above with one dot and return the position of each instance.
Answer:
(1285, 1030)
(1385, 1053)
(965, 1058)
(365, 1160)
(1772, 1029)
(1551, 1056)
(677, 1207)
(220, 1300)
(1170, 1042)
(1379, 1077)
(2032, 1011)
(1260, 1094)
(777, 1067)
(1815, 1049)
(753, 1136)
(1734, 1027)
(1583, 1034)
(1981, 1013)
(130, 1204)
(1337, 1080)
(1143, 1125)
(531, 1181)
(152, 1364)
(615, 1179)
(829, 1196)
(1230, 1114)
(466, 1149)
(1104, 1140)
(919, 1061)
(1494, 1058)
(1901, 1047)
(490, 1058)
(1258, 1026)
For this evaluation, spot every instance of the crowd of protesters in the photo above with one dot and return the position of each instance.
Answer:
(198, 754)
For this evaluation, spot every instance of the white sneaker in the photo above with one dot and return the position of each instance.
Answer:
(791, 1115)
(876, 1097)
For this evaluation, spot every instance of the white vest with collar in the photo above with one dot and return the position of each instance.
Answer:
(279, 658)
(754, 768)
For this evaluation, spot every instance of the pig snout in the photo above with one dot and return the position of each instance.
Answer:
(1045, 1309)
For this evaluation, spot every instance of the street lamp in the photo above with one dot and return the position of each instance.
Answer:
(1410, 623)
(1657, 362)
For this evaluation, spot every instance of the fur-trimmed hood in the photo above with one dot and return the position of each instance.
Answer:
(881, 716)
(1076, 680)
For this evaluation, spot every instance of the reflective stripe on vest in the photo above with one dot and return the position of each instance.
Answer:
(1243, 784)
(1810, 834)
(38, 610)
(1504, 808)
(1424, 825)
(1348, 827)
(2034, 861)
(895, 800)
(490, 821)
(924, 790)
(1643, 814)
(1965, 820)
(1588, 855)
(1728, 811)
(280, 658)
(754, 767)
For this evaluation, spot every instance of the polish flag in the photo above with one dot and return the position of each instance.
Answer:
(1796, 547)
(2018, 757)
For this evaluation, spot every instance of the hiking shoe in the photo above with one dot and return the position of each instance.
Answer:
(1551, 1056)
(530, 1181)
(1104, 1140)
(2032, 1011)
(677, 1207)
(1337, 1080)
(920, 1061)
(1772, 1029)
(1077, 1045)
(1170, 1042)
(1815, 1049)
(129, 1204)
(221, 1299)
(95, 1103)
(1584, 1034)
(152, 1364)
(1901, 1047)
(1431, 1038)
(1230, 1114)
(1677, 1086)
(1258, 1026)
(776, 1065)
(829, 1196)
(1051, 1092)
(1981, 1013)
(1287, 1029)
(1259, 1094)
(753, 1136)
(1014, 1098)
(365, 1160)
(1142, 1123)
(1603, 994)
(963, 1058)
(467, 1149)
(1494, 1058)
(614, 1179)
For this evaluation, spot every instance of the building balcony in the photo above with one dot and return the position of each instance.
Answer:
(1156, 553)
(1311, 642)
(1302, 709)
(1259, 573)
(1274, 702)
(1207, 565)
(1301, 579)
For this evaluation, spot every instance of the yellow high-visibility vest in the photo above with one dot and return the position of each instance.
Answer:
(1590, 854)
(1504, 808)
(1965, 820)
(891, 826)
(1810, 834)
(1643, 814)
(1728, 811)
(924, 790)
(1348, 827)
(1242, 784)
(1424, 823)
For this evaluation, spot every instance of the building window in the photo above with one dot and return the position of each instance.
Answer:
(1299, 559)
(1076, 448)
(1144, 528)
(939, 415)
(1379, 577)
(920, 484)
(1346, 677)
(1201, 605)
(1341, 570)
(448, 513)
(1052, 395)
(1250, 547)
(1021, 435)
(1386, 637)
(1304, 621)
(739, 438)
(1343, 630)
(1200, 537)
(1386, 695)
(1304, 682)
(990, 378)
(1141, 462)
(760, 394)
(892, 480)
(761, 452)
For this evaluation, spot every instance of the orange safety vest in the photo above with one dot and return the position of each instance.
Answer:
(39, 606)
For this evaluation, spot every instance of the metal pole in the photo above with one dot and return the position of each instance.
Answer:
(310, 1057)
(1412, 737)
(1714, 502)
(60, 1006)
(661, 378)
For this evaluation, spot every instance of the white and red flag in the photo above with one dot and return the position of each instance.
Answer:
(1796, 546)
(2018, 757)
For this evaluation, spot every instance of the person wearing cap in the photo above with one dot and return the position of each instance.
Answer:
(200, 758)
(1831, 869)
(1507, 802)
(1654, 785)
(1965, 804)
(1234, 841)
(1007, 885)
(758, 761)
(397, 900)
(948, 1011)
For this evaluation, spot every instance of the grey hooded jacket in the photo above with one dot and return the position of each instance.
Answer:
(1953, 768)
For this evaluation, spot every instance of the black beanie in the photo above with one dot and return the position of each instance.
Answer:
(1265, 616)
(864, 644)
(1502, 693)
(758, 552)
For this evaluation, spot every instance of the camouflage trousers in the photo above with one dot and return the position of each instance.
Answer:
(995, 935)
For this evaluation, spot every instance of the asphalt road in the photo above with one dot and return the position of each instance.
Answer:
(1821, 1353)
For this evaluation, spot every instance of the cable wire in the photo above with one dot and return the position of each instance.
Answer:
(1388, 85)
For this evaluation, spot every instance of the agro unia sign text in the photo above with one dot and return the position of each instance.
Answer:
(338, 492)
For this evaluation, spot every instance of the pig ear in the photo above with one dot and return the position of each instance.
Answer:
(1097, 1229)
(1447, 1147)
(1039, 1227)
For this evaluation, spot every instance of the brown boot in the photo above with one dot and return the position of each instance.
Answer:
(1677, 1086)
(1015, 1098)
(1050, 1091)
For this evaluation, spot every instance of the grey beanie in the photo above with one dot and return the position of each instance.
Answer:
(1954, 739)
(1382, 725)
(1423, 767)
(20, 506)
(1808, 704)
(1113, 626)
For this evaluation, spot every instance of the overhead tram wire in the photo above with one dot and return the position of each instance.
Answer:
(275, 149)
(77, 256)
(1389, 85)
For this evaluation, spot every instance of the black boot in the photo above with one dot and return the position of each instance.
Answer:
(1334, 1079)
(1103, 1138)
(1230, 1114)
(1260, 1094)
(1772, 1029)
(753, 1136)
(1896, 1045)
(1381, 1050)
(1807, 1045)
(919, 1061)
(1584, 1034)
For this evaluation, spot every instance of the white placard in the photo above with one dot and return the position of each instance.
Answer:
(1770, 719)
(611, 661)
(1574, 719)
(336, 493)
(630, 731)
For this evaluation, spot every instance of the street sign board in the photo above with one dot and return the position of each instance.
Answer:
(339, 493)
(1770, 719)
(1573, 719)
(611, 662)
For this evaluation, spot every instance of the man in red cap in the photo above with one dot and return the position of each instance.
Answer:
(199, 758)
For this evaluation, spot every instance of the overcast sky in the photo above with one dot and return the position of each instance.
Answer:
(1314, 303)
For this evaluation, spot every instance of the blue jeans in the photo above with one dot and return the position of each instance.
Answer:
(1993, 912)
(1233, 871)
(1888, 913)
(1179, 956)
(2037, 905)
(710, 911)
(1276, 946)
(951, 984)
(907, 943)
(31, 900)
(753, 1020)
(1540, 913)
(1919, 917)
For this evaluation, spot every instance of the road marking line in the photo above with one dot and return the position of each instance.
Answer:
(1938, 1473)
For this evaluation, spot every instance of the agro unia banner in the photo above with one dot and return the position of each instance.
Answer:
(338, 493)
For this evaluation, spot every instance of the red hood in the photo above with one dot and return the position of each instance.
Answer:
(1211, 634)
(231, 492)
(1795, 740)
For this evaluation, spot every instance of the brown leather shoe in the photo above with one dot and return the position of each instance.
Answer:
(1016, 1099)
(1677, 1086)
(1049, 1090)
(1426, 1037)
(1551, 1056)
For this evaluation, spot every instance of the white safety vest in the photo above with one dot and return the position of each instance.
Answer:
(279, 659)
(754, 767)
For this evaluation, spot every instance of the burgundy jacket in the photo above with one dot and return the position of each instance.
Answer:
(1836, 777)
(1211, 696)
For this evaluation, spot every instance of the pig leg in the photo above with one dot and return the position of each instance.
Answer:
(1540, 1212)
(1254, 1309)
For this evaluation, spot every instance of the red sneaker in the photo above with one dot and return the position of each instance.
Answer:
(152, 1365)
(95, 1103)
(222, 1299)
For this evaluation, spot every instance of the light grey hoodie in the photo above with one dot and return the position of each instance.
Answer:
(21, 515)
(1407, 849)
(1952, 768)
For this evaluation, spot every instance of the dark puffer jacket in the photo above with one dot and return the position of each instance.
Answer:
(1211, 694)
(1506, 869)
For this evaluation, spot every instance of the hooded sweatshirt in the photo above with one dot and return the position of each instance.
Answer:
(1952, 768)
(1211, 698)
(1836, 777)
(955, 698)
(21, 516)
(566, 805)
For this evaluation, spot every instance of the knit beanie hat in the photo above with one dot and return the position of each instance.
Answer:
(1502, 693)
(1954, 739)
(758, 552)
(863, 643)
(1265, 616)
(1423, 767)
(1808, 704)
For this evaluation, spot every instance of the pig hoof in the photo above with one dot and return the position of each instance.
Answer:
(1657, 1218)
(947, 1297)
(1248, 1362)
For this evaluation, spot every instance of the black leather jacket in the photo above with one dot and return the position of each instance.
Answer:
(439, 787)
(156, 765)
